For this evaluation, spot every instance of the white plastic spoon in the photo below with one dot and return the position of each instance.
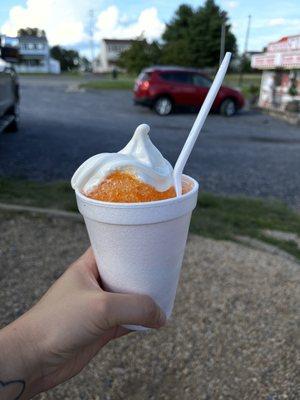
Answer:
(198, 124)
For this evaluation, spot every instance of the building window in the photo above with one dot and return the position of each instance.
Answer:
(32, 63)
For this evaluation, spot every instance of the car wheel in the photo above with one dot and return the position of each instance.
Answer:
(228, 108)
(163, 105)
(15, 123)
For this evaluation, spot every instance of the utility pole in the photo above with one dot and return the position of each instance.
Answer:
(245, 50)
(222, 46)
(92, 47)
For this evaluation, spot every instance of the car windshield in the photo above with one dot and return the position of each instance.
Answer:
(10, 41)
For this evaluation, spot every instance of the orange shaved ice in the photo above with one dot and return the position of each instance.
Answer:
(124, 187)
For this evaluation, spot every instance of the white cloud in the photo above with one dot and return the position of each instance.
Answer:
(230, 4)
(65, 21)
(110, 24)
(276, 22)
(107, 20)
(61, 20)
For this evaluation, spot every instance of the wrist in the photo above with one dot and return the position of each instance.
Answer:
(21, 357)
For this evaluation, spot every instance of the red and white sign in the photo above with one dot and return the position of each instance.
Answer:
(283, 54)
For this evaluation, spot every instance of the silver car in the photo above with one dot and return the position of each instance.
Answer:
(9, 87)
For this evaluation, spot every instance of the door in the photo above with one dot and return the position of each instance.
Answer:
(2, 87)
(202, 85)
(181, 87)
(6, 88)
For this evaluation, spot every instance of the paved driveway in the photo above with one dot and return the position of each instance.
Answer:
(250, 154)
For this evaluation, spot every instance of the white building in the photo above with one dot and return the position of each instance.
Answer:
(35, 56)
(280, 63)
(110, 53)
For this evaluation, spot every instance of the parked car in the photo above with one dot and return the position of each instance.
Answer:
(165, 88)
(9, 88)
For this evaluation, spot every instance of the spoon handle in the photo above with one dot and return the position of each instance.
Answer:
(198, 124)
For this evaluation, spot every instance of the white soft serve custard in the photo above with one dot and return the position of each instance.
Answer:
(140, 157)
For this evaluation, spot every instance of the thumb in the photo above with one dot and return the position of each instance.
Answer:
(133, 309)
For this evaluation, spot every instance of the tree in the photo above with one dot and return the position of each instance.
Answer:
(176, 49)
(193, 36)
(206, 29)
(31, 32)
(69, 59)
(85, 64)
(245, 65)
(140, 55)
(178, 28)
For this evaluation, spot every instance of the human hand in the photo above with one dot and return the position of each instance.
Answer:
(69, 325)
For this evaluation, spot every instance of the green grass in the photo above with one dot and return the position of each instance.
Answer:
(121, 84)
(73, 74)
(57, 195)
(250, 86)
(221, 217)
(248, 79)
(217, 217)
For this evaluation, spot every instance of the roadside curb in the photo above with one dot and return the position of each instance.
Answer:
(265, 247)
(287, 116)
(48, 212)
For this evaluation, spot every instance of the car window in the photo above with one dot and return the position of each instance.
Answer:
(200, 80)
(144, 76)
(179, 77)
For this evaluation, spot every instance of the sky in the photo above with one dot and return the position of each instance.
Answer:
(67, 22)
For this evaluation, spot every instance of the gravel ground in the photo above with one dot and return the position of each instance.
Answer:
(233, 335)
(250, 154)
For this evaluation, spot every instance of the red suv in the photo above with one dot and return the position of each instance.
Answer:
(164, 88)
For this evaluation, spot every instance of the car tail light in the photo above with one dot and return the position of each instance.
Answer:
(144, 85)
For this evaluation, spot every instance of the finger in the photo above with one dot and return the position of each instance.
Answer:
(115, 333)
(133, 309)
(88, 262)
(120, 331)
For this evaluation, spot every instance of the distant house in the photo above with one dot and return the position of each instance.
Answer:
(35, 56)
(110, 53)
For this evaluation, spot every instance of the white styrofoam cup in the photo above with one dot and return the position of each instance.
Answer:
(139, 247)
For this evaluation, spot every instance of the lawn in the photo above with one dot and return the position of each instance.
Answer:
(71, 74)
(248, 79)
(250, 86)
(105, 83)
(217, 217)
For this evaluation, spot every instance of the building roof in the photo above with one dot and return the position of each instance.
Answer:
(33, 39)
(119, 41)
(251, 52)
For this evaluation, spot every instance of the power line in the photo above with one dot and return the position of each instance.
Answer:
(245, 50)
(92, 44)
